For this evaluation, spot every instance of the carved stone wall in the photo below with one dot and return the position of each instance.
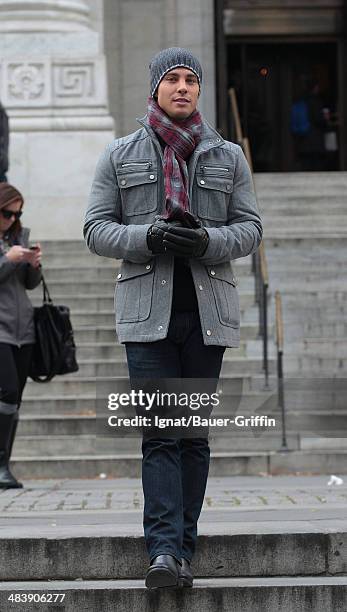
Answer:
(53, 85)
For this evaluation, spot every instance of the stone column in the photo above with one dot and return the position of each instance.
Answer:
(53, 85)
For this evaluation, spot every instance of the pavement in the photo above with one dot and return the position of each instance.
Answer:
(114, 507)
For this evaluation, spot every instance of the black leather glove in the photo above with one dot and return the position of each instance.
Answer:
(156, 234)
(186, 242)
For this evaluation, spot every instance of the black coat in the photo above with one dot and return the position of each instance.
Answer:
(4, 139)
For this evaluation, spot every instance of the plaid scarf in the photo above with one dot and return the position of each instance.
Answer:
(181, 138)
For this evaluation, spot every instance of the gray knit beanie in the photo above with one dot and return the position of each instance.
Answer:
(171, 58)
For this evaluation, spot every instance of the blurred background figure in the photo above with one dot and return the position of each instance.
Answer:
(19, 270)
(309, 123)
(4, 140)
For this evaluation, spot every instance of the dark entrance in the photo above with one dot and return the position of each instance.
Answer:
(288, 99)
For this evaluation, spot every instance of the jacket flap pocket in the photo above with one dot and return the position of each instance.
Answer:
(131, 270)
(218, 183)
(138, 177)
(222, 272)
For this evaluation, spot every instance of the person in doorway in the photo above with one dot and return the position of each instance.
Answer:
(19, 271)
(176, 203)
(308, 126)
(4, 138)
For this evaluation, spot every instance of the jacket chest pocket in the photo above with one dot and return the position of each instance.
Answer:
(133, 294)
(214, 185)
(224, 287)
(138, 184)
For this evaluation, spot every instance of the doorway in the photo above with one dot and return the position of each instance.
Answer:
(288, 100)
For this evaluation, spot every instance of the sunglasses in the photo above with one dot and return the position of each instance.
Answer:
(8, 214)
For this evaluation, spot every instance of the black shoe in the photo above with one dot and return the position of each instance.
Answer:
(162, 572)
(185, 574)
(7, 480)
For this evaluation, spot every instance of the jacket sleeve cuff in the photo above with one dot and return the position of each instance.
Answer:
(140, 239)
(218, 245)
(6, 267)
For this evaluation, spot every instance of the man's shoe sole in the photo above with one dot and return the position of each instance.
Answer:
(160, 577)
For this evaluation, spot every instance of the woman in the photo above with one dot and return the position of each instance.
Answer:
(19, 270)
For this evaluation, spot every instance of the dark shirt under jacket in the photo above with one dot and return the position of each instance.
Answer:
(184, 294)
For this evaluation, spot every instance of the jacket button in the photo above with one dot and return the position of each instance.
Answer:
(123, 182)
(228, 187)
(148, 267)
(119, 275)
(212, 272)
(151, 176)
(200, 287)
(160, 327)
(163, 282)
(202, 182)
(208, 332)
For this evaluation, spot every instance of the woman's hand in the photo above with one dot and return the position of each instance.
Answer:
(35, 255)
(17, 254)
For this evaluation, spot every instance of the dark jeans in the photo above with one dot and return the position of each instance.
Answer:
(14, 368)
(174, 471)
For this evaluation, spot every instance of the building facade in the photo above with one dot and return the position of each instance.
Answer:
(74, 73)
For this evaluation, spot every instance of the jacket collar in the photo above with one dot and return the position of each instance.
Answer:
(209, 137)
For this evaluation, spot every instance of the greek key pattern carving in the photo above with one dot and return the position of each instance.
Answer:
(74, 81)
(52, 83)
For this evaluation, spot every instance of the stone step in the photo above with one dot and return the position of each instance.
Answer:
(315, 276)
(284, 230)
(118, 366)
(332, 397)
(227, 463)
(81, 304)
(102, 282)
(313, 180)
(107, 333)
(301, 204)
(47, 404)
(75, 385)
(37, 446)
(315, 365)
(294, 241)
(112, 350)
(208, 595)
(316, 299)
(295, 330)
(314, 221)
(302, 420)
(88, 304)
(53, 446)
(96, 267)
(313, 347)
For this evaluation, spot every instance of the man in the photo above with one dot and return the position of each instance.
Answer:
(3, 144)
(176, 203)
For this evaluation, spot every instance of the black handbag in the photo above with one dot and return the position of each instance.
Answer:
(54, 350)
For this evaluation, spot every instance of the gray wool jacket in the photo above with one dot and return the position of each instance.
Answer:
(16, 310)
(126, 194)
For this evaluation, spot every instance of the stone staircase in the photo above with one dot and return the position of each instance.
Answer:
(265, 544)
(56, 434)
(305, 235)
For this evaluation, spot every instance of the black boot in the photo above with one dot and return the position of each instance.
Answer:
(7, 480)
(12, 434)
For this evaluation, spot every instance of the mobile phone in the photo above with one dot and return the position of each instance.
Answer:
(34, 247)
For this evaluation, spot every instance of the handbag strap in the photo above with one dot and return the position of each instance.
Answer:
(46, 298)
